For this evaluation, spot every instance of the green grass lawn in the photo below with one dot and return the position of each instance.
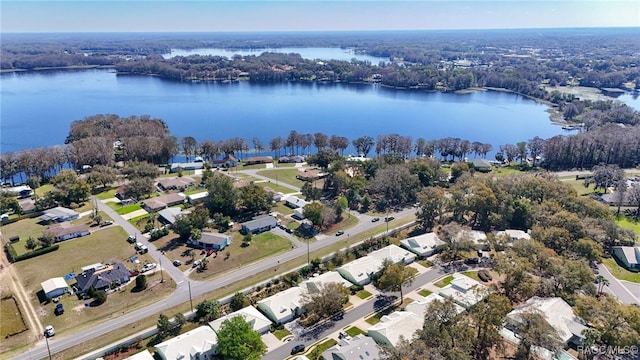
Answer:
(424, 292)
(42, 190)
(505, 170)
(262, 246)
(274, 187)
(444, 282)
(286, 176)
(282, 208)
(363, 294)
(320, 348)
(24, 228)
(253, 167)
(126, 209)
(629, 223)
(354, 330)
(281, 333)
(425, 263)
(107, 194)
(619, 272)
(473, 275)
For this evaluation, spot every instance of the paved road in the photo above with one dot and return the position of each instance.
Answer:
(181, 295)
(350, 317)
(617, 288)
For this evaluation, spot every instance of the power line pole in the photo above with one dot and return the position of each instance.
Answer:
(46, 338)
(190, 300)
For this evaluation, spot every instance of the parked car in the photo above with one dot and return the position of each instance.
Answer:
(297, 349)
(49, 331)
(388, 218)
(196, 263)
(177, 262)
(131, 239)
(375, 219)
(210, 252)
(142, 248)
(106, 223)
(59, 310)
(289, 230)
(148, 267)
(339, 233)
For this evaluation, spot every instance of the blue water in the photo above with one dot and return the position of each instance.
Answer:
(38, 107)
(306, 53)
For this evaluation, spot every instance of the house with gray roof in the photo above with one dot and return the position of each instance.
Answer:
(65, 231)
(164, 201)
(59, 214)
(482, 165)
(210, 240)
(259, 224)
(422, 245)
(360, 347)
(629, 256)
(168, 215)
(115, 273)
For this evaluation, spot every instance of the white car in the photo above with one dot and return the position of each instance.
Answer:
(148, 267)
(49, 331)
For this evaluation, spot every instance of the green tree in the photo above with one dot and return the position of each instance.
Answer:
(101, 175)
(163, 325)
(30, 244)
(141, 282)
(488, 317)
(139, 187)
(8, 204)
(208, 310)
(325, 302)
(238, 301)
(254, 199)
(178, 321)
(69, 188)
(142, 169)
(46, 240)
(535, 331)
(204, 264)
(363, 145)
(222, 195)
(191, 253)
(182, 226)
(313, 212)
(238, 341)
(433, 204)
(395, 277)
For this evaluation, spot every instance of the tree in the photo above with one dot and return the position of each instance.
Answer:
(325, 302)
(30, 244)
(46, 239)
(163, 325)
(320, 141)
(69, 188)
(313, 212)
(188, 146)
(395, 277)
(139, 187)
(602, 282)
(323, 158)
(536, 331)
(238, 301)
(238, 341)
(222, 195)
(101, 175)
(208, 310)
(182, 226)
(606, 176)
(141, 282)
(535, 145)
(363, 145)
(254, 199)
(191, 253)
(522, 151)
(488, 317)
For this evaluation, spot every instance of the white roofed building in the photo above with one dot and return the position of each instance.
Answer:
(199, 343)
(54, 287)
(312, 285)
(629, 256)
(251, 315)
(360, 347)
(359, 271)
(422, 245)
(514, 235)
(420, 306)
(395, 253)
(144, 355)
(478, 238)
(393, 327)
(464, 290)
(283, 306)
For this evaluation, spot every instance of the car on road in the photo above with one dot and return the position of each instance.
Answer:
(339, 233)
(106, 223)
(49, 331)
(289, 230)
(59, 310)
(177, 262)
(297, 349)
(196, 263)
(375, 219)
(148, 267)
(388, 218)
(142, 248)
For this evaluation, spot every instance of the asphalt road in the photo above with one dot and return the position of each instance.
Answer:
(181, 294)
(350, 317)
(617, 288)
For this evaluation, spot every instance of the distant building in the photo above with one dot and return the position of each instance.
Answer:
(54, 287)
(65, 231)
(311, 175)
(360, 347)
(422, 245)
(208, 240)
(629, 256)
(115, 274)
(482, 165)
(258, 160)
(59, 214)
(163, 201)
(178, 183)
(176, 167)
(259, 224)
(199, 343)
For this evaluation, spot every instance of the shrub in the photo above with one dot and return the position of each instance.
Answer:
(141, 282)
(35, 253)
(484, 275)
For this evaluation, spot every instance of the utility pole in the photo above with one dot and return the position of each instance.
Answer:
(190, 300)
(48, 350)
(308, 255)
(161, 272)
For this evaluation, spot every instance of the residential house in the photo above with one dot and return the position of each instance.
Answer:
(114, 274)
(629, 256)
(259, 224)
(22, 191)
(360, 347)
(189, 166)
(144, 355)
(298, 214)
(258, 160)
(178, 183)
(295, 202)
(311, 175)
(482, 165)
(65, 231)
(359, 271)
(283, 306)
(54, 287)
(208, 240)
(395, 326)
(478, 238)
(464, 290)
(394, 253)
(250, 314)
(163, 201)
(59, 214)
(314, 284)
(199, 343)
(198, 198)
(291, 159)
(420, 306)
(556, 312)
(615, 198)
(422, 245)
(228, 161)
(513, 234)
(168, 216)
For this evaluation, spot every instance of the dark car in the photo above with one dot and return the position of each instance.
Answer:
(131, 239)
(297, 349)
(106, 223)
(59, 310)
(375, 219)
(388, 218)
(340, 233)
(177, 262)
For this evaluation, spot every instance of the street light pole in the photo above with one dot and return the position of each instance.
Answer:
(308, 255)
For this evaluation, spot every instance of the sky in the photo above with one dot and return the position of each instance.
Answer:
(305, 15)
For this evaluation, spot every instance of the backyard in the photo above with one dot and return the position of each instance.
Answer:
(287, 176)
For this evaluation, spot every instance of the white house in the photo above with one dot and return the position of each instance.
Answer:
(393, 327)
(283, 306)
(359, 271)
(419, 307)
(198, 197)
(464, 290)
(422, 245)
(255, 318)
(198, 343)
(395, 253)
(54, 287)
(558, 314)
(360, 347)
(144, 355)
(313, 284)
(478, 238)
(59, 214)
(298, 213)
(295, 202)
(629, 256)
(514, 235)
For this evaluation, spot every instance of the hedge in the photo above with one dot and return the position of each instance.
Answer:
(11, 252)
(13, 258)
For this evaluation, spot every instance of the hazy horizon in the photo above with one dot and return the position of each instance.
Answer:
(149, 16)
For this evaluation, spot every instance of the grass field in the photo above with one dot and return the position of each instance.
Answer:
(619, 272)
(12, 322)
(444, 282)
(274, 187)
(282, 333)
(287, 176)
(473, 275)
(363, 294)
(42, 190)
(126, 209)
(424, 292)
(108, 194)
(629, 223)
(282, 208)
(320, 348)
(24, 228)
(354, 330)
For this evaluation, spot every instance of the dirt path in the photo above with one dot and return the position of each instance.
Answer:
(11, 283)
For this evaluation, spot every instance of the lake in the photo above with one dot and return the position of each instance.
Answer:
(306, 53)
(38, 107)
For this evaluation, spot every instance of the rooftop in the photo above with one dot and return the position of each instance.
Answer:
(200, 340)
(250, 314)
(396, 325)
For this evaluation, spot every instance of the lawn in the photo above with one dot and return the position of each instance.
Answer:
(629, 223)
(473, 275)
(320, 348)
(42, 190)
(354, 330)
(578, 186)
(281, 333)
(125, 209)
(282, 208)
(262, 246)
(287, 176)
(444, 282)
(363, 294)
(107, 194)
(105, 246)
(12, 322)
(274, 187)
(24, 228)
(619, 272)
(424, 292)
